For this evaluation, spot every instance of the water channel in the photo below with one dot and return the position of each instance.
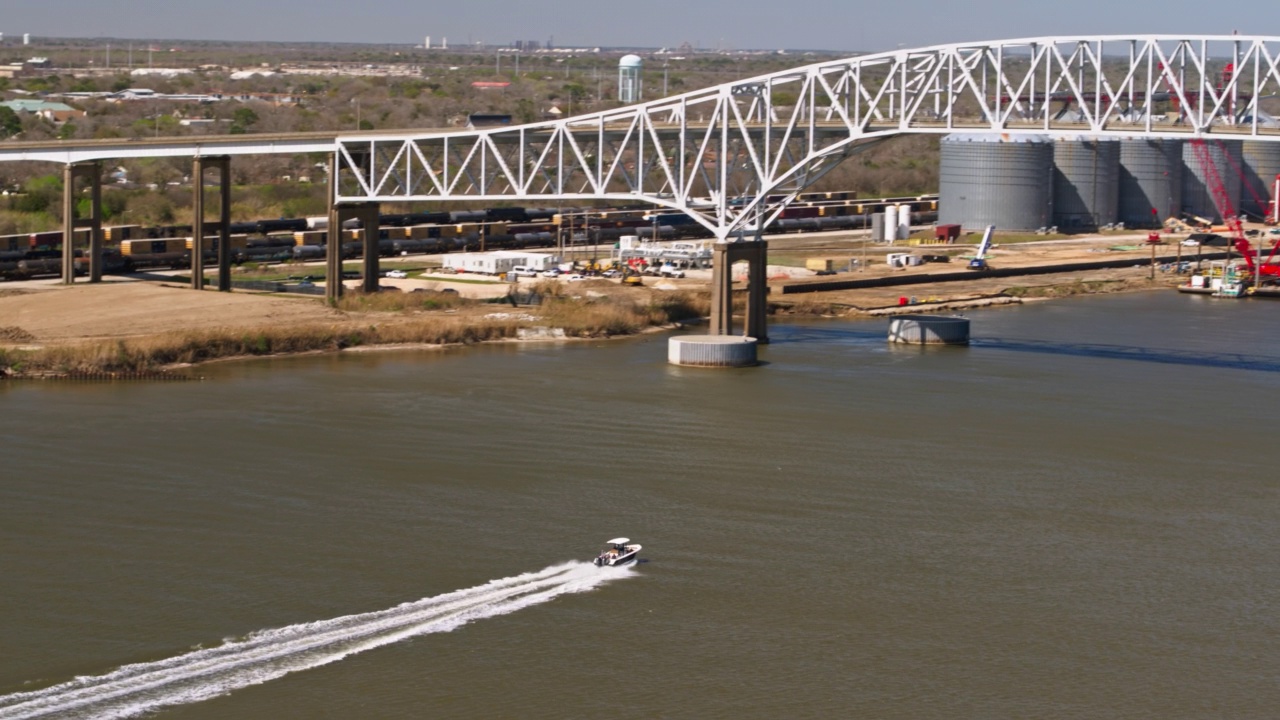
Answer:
(1075, 517)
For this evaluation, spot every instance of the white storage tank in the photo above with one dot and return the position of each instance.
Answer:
(891, 223)
(904, 222)
(996, 179)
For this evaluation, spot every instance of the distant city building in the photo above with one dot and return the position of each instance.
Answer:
(629, 68)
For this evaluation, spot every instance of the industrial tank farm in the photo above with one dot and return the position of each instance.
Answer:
(1261, 165)
(1150, 179)
(1085, 183)
(1001, 180)
(1032, 183)
(1227, 161)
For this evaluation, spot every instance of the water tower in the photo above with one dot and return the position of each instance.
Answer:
(629, 78)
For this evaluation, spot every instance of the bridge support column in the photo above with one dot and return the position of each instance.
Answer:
(223, 166)
(91, 171)
(224, 229)
(368, 213)
(333, 238)
(197, 224)
(755, 253)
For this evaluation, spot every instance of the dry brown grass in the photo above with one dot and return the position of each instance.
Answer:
(401, 301)
(580, 317)
(805, 306)
(158, 351)
(620, 314)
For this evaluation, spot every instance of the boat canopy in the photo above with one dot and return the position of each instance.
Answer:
(619, 541)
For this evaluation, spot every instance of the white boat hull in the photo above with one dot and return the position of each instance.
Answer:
(618, 556)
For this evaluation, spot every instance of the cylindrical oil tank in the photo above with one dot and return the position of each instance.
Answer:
(1150, 179)
(996, 179)
(1086, 182)
(1197, 197)
(891, 223)
(904, 221)
(1261, 165)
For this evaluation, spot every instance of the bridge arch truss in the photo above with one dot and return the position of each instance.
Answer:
(733, 155)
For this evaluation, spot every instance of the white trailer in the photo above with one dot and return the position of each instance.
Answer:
(497, 262)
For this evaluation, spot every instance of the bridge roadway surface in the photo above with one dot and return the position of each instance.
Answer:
(296, 143)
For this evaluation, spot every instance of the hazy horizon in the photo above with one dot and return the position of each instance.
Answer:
(745, 24)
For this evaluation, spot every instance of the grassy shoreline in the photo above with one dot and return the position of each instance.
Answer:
(422, 320)
(371, 321)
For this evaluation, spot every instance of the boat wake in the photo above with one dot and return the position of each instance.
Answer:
(269, 654)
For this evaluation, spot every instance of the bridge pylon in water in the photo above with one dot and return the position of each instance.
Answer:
(755, 254)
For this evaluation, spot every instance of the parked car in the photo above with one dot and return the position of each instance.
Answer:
(399, 274)
(612, 273)
(670, 271)
(523, 271)
(551, 272)
(575, 277)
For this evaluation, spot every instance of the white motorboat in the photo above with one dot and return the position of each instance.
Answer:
(620, 552)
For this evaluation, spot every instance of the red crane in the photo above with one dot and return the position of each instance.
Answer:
(1222, 201)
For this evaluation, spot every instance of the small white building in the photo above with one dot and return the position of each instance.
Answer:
(498, 261)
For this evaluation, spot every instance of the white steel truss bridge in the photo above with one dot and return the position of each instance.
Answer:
(733, 155)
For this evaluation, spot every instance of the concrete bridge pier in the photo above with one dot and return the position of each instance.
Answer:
(223, 166)
(367, 213)
(755, 253)
(91, 171)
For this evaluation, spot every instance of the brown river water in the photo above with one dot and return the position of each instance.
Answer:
(1075, 517)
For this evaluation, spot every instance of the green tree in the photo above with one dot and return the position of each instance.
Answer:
(525, 111)
(40, 194)
(10, 123)
(244, 117)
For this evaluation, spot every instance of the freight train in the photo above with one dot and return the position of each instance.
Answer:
(130, 247)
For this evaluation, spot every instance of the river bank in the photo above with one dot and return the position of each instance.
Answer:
(141, 330)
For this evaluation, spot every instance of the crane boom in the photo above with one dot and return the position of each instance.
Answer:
(979, 261)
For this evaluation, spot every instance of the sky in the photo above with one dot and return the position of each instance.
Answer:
(840, 25)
